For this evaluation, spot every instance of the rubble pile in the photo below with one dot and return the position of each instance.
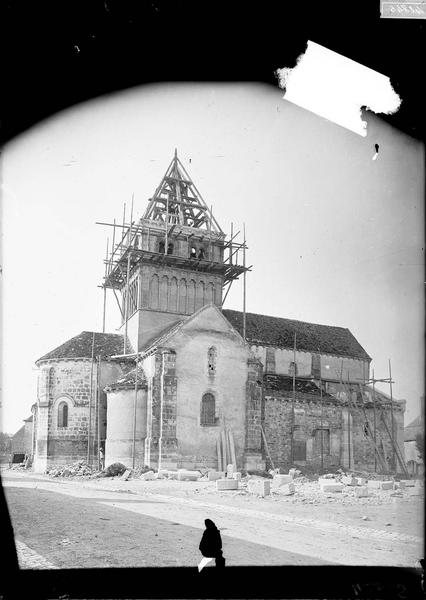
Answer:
(77, 469)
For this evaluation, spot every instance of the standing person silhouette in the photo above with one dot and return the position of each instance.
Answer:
(211, 546)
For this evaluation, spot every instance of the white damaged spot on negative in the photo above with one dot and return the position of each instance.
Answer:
(337, 88)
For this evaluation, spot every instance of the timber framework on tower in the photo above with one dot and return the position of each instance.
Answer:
(178, 215)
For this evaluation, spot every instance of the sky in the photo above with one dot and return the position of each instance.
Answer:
(334, 237)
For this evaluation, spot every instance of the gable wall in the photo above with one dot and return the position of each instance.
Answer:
(197, 443)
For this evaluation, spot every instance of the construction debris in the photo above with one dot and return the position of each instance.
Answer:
(77, 469)
(226, 484)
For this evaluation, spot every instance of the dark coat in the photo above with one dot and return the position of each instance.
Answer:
(211, 542)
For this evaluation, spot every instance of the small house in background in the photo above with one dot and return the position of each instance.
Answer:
(415, 464)
(22, 441)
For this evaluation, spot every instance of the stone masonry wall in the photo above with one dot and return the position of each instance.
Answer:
(277, 419)
(69, 381)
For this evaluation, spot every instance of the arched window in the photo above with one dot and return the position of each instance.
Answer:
(63, 414)
(211, 361)
(208, 410)
(170, 248)
(161, 246)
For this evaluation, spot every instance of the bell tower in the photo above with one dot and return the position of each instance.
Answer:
(171, 262)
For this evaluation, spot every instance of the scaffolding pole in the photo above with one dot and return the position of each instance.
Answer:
(349, 424)
(105, 290)
(98, 412)
(244, 284)
(392, 419)
(134, 415)
(322, 417)
(126, 306)
(374, 422)
(293, 401)
(89, 425)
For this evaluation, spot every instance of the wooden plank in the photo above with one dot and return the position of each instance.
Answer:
(266, 446)
(232, 445)
(223, 450)
(219, 455)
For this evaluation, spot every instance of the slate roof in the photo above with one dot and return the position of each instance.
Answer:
(80, 346)
(284, 383)
(263, 330)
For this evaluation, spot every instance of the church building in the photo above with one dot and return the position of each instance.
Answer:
(189, 384)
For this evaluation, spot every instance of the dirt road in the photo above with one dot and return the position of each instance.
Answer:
(115, 523)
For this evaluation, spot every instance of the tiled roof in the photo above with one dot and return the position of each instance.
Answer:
(80, 346)
(284, 383)
(310, 337)
(128, 381)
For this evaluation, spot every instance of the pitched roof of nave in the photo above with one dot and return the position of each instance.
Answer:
(87, 343)
(263, 330)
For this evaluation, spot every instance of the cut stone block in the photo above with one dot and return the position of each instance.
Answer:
(408, 482)
(287, 489)
(162, 474)
(361, 480)
(126, 475)
(293, 472)
(374, 483)
(259, 487)
(323, 480)
(361, 492)
(326, 486)
(280, 480)
(148, 476)
(215, 475)
(349, 480)
(226, 484)
(386, 485)
(415, 491)
(188, 475)
(172, 474)
(237, 476)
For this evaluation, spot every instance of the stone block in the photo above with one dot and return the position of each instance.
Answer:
(374, 484)
(148, 476)
(408, 482)
(237, 476)
(259, 487)
(349, 480)
(327, 486)
(386, 485)
(287, 489)
(280, 480)
(361, 480)
(126, 475)
(162, 474)
(361, 491)
(230, 471)
(184, 475)
(226, 484)
(415, 491)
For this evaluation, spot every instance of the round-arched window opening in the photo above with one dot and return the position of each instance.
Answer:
(208, 410)
(63, 414)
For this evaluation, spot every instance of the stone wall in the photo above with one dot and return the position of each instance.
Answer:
(277, 421)
(75, 383)
(280, 361)
(346, 442)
